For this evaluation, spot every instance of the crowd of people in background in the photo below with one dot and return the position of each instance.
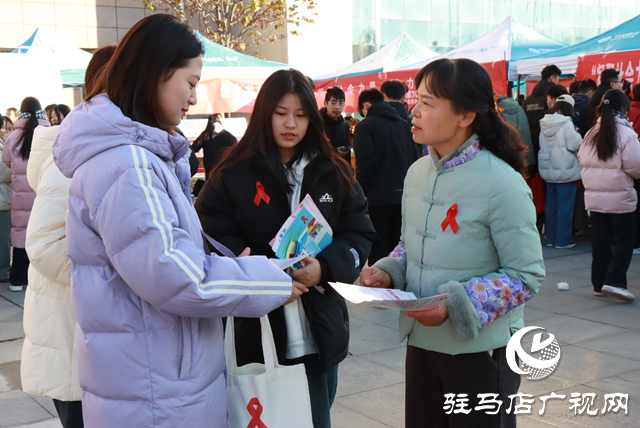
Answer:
(585, 143)
(125, 301)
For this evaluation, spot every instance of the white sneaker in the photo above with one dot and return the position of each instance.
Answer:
(636, 251)
(619, 293)
(564, 247)
(16, 287)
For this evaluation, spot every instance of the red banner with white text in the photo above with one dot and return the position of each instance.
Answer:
(354, 85)
(222, 95)
(628, 62)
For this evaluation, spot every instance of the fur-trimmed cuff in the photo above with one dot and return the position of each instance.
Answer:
(395, 269)
(463, 317)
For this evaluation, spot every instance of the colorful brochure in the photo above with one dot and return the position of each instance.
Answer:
(305, 233)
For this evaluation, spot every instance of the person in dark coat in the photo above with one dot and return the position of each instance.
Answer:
(384, 150)
(609, 79)
(335, 128)
(283, 157)
(394, 91)
(585, 92)
(214, 140)
(536, 104)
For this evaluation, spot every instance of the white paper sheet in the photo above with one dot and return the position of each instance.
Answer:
(387, 298)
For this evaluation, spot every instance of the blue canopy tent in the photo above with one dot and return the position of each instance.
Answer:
(624, 37)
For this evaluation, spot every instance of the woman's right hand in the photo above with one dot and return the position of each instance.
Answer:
(375, 278)
(297, 290)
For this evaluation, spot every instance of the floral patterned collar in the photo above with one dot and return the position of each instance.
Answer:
(461, 155)
(464, 156)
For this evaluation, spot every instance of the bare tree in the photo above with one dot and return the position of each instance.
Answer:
(241, 24)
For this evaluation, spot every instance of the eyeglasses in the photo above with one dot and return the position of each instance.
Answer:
(336, 103)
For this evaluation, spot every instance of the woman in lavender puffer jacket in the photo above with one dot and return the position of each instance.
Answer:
(148, 300)
(15, 154)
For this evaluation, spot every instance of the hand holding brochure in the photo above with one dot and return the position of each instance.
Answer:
(282, 264)
(387, 298)
(305, 233)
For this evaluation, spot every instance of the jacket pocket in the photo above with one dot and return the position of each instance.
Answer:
(184, 348)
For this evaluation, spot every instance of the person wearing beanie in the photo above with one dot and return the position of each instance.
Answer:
(559, 167)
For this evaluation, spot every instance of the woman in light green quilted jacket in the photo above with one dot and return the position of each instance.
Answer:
(468, 229)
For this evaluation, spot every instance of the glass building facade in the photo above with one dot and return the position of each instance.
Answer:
(442, 25)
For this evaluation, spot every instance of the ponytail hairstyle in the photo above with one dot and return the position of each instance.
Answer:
(467, 86)
(605, 138)
(29, 105)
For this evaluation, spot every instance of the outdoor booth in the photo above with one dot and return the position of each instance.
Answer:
(497, 51)
(617, 48)
(230, 80)
(372, 71)
(42, 66)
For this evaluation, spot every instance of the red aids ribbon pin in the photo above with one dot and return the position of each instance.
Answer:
(261, 195)
(255, 410)
(451, 219)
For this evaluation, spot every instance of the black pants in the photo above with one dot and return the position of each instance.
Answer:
(612, 240)
(19, 267)
(430, 375)
(387, 221)
(70, 413)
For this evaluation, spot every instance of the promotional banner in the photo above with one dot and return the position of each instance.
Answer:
(226, 95)
(354, 85)
(628, 62)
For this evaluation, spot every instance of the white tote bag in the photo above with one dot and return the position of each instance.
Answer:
(265, 395)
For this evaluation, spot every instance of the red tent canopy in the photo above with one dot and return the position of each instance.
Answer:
(353, 85)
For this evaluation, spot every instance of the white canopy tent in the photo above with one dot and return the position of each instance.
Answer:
(70, 60)
(29, 76)
(401, 51)
(510, 41)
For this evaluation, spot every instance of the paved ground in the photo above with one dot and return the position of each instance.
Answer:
(599, 338)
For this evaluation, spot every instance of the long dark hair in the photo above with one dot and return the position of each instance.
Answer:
(604, 138)
(259, 135)
(146, 56)
(62, 111)
(29, 105)
(210, 130)
(467, 86)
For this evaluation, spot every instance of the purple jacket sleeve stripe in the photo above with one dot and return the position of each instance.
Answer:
(166, 230)
(236, 291)
(163, 220)
(212, 284)
(154, 204)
